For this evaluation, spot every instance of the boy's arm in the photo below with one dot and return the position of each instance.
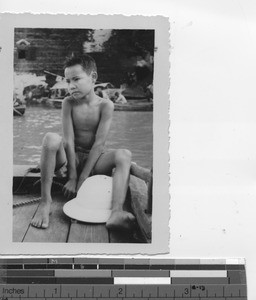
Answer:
(100, 139)
(68, 133)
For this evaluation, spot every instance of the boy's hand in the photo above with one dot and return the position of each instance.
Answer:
(69, 189)
(79, 183)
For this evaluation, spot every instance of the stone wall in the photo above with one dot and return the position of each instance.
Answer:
(49, 47)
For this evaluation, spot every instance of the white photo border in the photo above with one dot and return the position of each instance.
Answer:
(161, 213)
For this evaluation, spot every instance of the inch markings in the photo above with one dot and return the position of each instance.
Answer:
(128, 279)
(151, 291)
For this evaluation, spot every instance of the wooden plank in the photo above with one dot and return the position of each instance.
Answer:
(24, 183)
(138, 190)
(116, 236)
(136, 170)
(87, 233)
(133, 236)
(58, 229)
(21, 217)
(21, 170)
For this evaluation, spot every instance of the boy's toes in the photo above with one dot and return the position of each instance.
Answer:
(35, 223)
(40, 223)
(44, 225)
(121, 220)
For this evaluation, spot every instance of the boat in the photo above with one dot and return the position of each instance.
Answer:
(130, 93)
(129, 106)
(19, 110)
(26, 197)
(58, 92)
(135, 106)
(134, 93)
(57, 103)
(19, 105)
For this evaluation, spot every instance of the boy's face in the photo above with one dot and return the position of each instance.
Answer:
(80, 84)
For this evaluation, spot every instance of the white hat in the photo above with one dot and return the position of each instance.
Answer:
(93, 202)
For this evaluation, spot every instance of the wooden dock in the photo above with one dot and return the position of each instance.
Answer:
(62, 229)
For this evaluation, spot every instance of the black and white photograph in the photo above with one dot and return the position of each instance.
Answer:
(82, 111)
(85, 168)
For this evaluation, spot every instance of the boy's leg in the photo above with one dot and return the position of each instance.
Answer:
(53, 156)
(121, 161)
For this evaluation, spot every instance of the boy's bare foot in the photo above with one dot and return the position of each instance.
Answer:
(120, 220)
(41, 219)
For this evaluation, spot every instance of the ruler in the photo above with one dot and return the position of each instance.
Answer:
(129, 279)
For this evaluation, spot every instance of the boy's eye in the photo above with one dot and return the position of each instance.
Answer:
(73, 79)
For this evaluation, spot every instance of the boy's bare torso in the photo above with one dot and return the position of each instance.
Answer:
(86, 118)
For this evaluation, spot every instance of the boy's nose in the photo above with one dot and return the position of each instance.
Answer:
(71, 85)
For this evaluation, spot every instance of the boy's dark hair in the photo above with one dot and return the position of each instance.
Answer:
(85, 60)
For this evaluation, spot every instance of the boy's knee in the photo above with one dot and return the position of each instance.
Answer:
(52, 141)
(123, 156)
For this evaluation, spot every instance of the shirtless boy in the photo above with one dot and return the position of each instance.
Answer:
(86, 120)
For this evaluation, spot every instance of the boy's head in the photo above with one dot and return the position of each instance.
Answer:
(81, 75)
(86, 61)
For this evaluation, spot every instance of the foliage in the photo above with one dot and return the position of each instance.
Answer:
(126, 48)
(128, 43)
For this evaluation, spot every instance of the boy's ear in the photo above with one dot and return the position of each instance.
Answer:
(94, 76)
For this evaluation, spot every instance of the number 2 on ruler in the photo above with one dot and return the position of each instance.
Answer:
(120, 291)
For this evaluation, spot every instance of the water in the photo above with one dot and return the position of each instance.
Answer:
(129, 130)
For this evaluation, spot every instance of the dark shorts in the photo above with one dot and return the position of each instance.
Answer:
(81, 158)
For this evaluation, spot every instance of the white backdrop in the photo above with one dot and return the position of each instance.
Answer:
(213, 119)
